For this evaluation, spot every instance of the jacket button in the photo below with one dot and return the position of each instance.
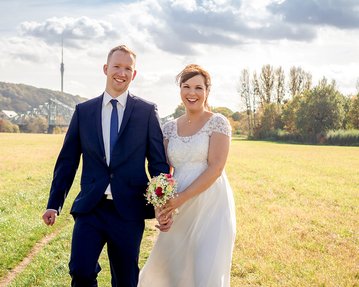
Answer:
(111, 175)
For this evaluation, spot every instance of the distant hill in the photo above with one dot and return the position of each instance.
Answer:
(21, 98)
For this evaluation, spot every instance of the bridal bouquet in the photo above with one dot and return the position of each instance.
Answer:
(160, 189)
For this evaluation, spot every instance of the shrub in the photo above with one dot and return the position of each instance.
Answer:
(343, 137)
(279, 135)
(8, 127)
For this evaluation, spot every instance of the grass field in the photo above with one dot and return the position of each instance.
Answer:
(297, 214)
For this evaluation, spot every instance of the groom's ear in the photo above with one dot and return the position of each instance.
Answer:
(134, 74)
(105, 69)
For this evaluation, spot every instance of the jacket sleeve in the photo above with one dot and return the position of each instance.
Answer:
(66, 165)
(156, 156)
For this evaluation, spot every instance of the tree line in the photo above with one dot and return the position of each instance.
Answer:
(294, 109)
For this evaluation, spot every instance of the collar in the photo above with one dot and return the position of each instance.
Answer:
(122, 99)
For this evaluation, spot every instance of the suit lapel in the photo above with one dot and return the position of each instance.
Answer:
(131, 101)
(98, 118)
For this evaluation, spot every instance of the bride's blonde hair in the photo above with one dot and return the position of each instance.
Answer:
(189, 72)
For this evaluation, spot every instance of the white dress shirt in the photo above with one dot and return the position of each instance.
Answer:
(106, 123)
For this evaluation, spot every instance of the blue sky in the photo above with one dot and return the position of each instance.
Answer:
(224, 36)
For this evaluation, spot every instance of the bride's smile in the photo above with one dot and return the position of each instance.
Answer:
(194, 93)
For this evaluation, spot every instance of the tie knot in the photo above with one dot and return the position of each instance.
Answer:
(114, 103)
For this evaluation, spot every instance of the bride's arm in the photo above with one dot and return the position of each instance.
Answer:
(217, 157)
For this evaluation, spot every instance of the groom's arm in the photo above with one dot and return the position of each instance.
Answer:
(155, 153)
(156, 157)
(66, 166)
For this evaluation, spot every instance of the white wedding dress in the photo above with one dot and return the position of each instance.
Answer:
(197, 250)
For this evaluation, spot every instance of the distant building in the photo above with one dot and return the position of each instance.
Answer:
(8, 114)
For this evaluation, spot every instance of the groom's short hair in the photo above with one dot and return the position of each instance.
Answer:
(122, 48)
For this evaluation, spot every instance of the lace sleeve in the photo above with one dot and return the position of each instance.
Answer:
(220, 124)
(167, 130)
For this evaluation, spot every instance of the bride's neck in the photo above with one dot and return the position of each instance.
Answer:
(194, 116)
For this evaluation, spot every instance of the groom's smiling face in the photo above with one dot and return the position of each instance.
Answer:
(120, 71)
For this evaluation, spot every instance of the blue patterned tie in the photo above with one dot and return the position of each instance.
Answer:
(114, 125)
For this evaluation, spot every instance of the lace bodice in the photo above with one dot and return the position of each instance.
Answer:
(192, 151)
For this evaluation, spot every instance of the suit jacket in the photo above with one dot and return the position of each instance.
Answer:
(140, 138)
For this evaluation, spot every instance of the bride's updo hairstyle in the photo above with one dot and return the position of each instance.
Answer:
(189, 72)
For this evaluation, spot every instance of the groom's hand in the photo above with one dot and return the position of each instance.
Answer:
(164, 222)
(49, 217)
(166, 226)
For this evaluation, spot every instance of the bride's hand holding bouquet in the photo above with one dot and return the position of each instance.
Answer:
(161, 189)
(171, 206)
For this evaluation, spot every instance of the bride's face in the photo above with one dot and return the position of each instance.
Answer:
(194, 93)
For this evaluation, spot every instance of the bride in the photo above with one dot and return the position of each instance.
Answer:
(197, 249)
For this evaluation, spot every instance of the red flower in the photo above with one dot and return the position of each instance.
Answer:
(158, 191)
(168, 175)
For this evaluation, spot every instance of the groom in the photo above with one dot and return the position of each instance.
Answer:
(115, 133)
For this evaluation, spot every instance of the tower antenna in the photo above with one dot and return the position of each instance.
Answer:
(62, 66)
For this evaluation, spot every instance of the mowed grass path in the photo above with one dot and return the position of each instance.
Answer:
(297, 214)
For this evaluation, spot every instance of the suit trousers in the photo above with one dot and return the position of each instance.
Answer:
(95, 229)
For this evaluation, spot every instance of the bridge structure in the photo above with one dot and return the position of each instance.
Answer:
(57, 113)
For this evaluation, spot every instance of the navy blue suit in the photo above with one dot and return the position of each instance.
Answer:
(98, 221)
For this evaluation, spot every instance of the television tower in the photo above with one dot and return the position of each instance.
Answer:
(62, 66)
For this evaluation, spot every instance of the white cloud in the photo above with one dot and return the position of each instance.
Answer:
(17, 50)
(75, 31)
(188, 5)
(339, 13)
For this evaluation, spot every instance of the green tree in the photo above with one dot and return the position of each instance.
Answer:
(180, 110)
(299, 81)
(267, 84)
(320, 109)
(236, 130)
(353, 114)
(8, 127)
(256, 92)
(36, 125)
(236, 116)
(244, 92)
(279, 85)
(269, 121)
(289, 114)
(347, 106)
(223, 110)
